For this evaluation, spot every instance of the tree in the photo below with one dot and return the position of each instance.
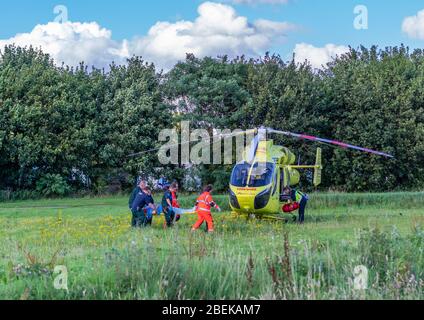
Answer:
(64, 127)
(377, 102)
(130, 119)
(211, 94)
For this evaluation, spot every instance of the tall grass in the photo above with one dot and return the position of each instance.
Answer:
(388, 200)
(309, 270)
(242, 260)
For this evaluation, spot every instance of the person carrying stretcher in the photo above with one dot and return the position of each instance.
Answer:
(203, 209)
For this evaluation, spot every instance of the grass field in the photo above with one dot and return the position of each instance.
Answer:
(106, 259)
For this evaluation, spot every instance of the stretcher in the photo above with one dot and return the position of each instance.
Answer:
(159, 210)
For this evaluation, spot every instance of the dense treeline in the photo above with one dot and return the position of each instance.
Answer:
(66, 129)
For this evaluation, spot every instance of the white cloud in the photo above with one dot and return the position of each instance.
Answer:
(316, 56)
(217, 30)
(73, 42)
(413, 26)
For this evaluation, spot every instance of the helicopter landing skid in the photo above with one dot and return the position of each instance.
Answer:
(287, 219)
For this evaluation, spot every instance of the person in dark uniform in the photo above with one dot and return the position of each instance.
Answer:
(300, 198)
(150, 210)
(141, 201)
(140, 187)
(167, 206)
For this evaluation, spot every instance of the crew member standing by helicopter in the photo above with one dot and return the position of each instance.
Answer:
(301, 198)
(203, 208)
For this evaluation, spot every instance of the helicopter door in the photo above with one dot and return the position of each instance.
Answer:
(284, 182)
(275, 182)
(281, 181)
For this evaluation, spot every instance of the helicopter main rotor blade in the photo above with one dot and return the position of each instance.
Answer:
(332, 142)
(253, 149)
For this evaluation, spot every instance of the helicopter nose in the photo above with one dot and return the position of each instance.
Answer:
(246, 202)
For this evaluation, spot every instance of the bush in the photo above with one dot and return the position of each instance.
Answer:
(53, 185)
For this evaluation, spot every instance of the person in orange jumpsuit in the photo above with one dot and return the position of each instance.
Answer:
(203, 208)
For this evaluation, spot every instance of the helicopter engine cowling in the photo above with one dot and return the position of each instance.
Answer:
(288, 157)
(294, 177)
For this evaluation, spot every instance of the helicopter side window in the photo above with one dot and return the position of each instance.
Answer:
(261, 175)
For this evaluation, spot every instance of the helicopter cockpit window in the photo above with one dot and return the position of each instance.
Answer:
(261, 174)
(240, 175)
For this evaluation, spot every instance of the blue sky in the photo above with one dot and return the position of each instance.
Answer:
(314, 22)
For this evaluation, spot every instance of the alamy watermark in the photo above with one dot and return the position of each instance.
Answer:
(360, 281)
(61, 280)
(61, 13)
(201, 146)
(361, 17)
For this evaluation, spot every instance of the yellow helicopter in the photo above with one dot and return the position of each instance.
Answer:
(257, 182)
